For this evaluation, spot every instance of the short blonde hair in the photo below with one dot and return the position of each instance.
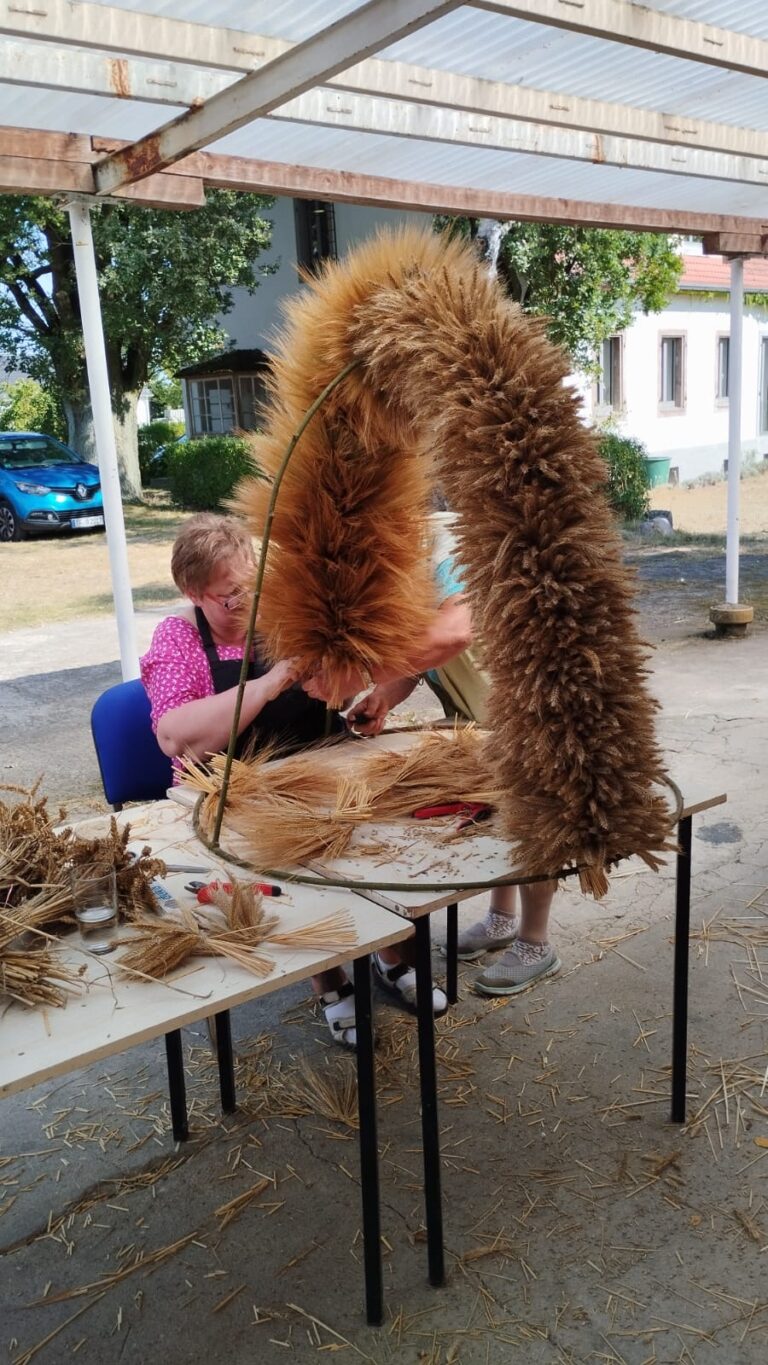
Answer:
(205, 543)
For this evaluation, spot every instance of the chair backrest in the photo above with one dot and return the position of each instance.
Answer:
(133, 766)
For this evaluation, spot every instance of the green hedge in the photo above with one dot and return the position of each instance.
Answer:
(203, 473)
(628, 479)
(153, 437)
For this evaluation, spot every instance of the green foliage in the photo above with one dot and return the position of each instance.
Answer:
(164, 279)
(153, 437)
(26, 406)
(166, 391)
(628, 481)
(203, 473)
(586, 281)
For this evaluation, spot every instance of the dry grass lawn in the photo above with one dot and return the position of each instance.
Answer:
(703, 510)
(51, 579)
(59, 579)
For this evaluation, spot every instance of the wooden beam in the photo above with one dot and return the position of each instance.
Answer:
(60, 163)
(735, 244)
(37, 163)
(22, 175)
(622, 21)
(308, 182)
(356, 36)
(425, 123)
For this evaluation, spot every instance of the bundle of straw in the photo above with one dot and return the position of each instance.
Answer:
(35, 977)
(449, 364)
(334, 931)
(36, 858)
(159, 946)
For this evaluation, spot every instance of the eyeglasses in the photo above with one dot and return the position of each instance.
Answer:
(230, 601)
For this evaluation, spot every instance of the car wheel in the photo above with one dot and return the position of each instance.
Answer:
(10, 526)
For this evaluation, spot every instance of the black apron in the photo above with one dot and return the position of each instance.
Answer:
(293, 720)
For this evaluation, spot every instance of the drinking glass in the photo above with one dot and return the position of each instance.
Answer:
(94, 900)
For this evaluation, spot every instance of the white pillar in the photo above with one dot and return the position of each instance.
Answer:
(101, 405)
(734, 432)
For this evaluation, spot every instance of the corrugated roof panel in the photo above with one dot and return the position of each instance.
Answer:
(64, 112)
(275, 18)
(743, 16)
(481, 168)
(499, 48)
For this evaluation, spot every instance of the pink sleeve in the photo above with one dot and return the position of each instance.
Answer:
(175, 670)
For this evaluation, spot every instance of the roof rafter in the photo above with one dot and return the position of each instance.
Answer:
(46, 162)
(621, 21)
(396, 118)
(363, 31)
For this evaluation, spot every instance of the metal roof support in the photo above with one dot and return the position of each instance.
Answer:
(101, 405)
(735, 350)
(350, 40)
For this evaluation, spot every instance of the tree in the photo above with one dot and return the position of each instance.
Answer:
(164, 279)
(26, 406)
(587, 281)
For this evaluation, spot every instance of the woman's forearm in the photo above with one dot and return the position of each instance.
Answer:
(203, 727)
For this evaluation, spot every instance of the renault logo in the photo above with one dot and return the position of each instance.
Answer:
(80, 490)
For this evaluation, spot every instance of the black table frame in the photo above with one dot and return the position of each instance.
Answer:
(366, 1105)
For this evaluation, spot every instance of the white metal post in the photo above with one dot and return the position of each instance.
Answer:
(734, 432)
(101, 405)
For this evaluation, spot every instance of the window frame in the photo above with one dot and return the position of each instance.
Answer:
(666, 406)
(762, 392)
(614, 403)
(721, 399)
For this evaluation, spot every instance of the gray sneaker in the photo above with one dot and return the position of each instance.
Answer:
(516, 971)
(476, 941)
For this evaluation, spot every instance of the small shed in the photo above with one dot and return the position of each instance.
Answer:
(224, 392)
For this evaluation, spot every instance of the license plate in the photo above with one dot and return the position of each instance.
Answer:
(82, 523)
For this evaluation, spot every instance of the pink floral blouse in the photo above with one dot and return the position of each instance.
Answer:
(175, 670)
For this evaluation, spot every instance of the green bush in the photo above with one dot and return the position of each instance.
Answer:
(153, 437)
(26, 406)
(203, 473)
(628, 477)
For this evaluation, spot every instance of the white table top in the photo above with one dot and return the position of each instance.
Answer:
(411, 855)
(114, 1012)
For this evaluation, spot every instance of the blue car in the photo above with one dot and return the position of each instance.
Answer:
(45, 486)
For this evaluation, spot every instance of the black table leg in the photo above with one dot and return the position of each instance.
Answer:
(680, 986)
(452, 953)
(226, 1062)
(429, 1121)
(369, 1155)
(178, 1097)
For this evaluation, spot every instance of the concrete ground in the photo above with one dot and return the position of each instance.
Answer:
(580, 1225)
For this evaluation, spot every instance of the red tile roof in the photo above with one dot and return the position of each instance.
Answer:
(713, 272)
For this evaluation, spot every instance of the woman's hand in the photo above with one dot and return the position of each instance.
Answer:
(281, 676)
(368, 717)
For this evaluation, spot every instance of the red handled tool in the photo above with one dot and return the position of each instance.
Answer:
(472, 812)
(204, 890)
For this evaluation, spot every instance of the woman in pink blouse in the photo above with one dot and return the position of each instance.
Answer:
(191, 673)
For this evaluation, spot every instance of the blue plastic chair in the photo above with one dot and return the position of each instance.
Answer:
(133, 766)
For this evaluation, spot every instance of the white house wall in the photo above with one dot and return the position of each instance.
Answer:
(255, 317)
(696, 439)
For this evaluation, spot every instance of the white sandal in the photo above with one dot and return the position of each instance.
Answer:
(339, 1010)
(400, 980)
